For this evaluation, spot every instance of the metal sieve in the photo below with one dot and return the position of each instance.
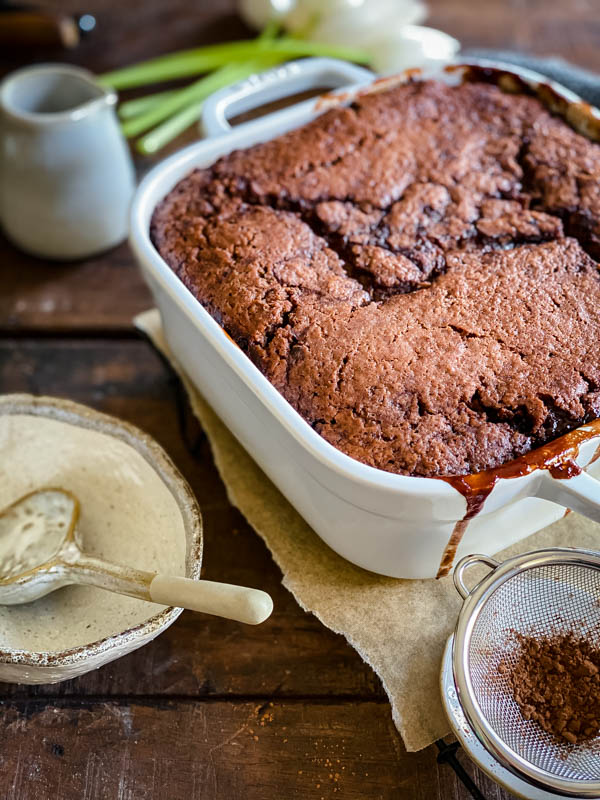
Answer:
(538, 593)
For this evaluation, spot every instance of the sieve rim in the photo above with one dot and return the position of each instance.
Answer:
(469, 613)
(514, 784)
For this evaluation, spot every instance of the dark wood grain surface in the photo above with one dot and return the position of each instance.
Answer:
(211, 709)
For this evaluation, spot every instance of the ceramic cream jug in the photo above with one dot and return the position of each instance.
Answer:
(66, 176)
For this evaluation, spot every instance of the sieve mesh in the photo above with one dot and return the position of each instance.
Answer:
(540, 601)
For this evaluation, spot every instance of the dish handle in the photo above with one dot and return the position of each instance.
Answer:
(283, 81)
(581, 493)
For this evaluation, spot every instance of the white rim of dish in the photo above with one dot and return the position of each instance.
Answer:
(83, 416)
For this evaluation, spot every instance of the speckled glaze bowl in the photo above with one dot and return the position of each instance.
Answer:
(114, 625)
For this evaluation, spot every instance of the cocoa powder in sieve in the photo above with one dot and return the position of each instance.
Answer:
(556, 682)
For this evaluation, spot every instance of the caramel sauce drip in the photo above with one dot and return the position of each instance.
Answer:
(558, 457)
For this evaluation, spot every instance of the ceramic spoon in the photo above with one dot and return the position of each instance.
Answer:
(39, 553)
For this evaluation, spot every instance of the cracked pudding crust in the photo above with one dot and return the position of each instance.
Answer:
(414, 273)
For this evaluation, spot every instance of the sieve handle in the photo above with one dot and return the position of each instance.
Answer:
(469, 561)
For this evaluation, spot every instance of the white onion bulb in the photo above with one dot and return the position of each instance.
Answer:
(353, 23)
(257, 13)
(411, 46)
(385, 28)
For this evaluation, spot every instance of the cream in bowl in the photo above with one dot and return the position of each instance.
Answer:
(136, 509)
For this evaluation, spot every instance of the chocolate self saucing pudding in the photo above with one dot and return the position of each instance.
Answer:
(415, 273)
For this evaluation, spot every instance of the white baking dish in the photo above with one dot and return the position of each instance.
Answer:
(391, 524)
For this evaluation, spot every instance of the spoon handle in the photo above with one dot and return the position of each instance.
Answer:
(251, 606)
(240, 603)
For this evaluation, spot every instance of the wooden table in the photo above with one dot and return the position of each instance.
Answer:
(211, 709)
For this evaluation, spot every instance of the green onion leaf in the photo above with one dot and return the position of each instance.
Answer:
(205, 59)
(140, 105)
(190, 112)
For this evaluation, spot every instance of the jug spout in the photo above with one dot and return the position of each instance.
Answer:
(50, 94)
(68, 179)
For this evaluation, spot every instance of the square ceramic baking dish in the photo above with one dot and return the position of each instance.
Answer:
(406, 527)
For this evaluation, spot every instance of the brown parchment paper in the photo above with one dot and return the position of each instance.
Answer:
(399, 627)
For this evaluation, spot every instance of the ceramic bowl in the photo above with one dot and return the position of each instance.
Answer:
(97, 626)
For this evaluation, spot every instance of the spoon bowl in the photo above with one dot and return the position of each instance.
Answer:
(36, 534)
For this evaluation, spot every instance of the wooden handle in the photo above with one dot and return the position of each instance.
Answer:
(19, 28)
(251, 606)
(221, 599)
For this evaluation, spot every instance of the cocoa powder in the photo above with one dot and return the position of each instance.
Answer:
(556, 682)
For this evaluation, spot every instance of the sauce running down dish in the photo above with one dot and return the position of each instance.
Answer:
(558, 457)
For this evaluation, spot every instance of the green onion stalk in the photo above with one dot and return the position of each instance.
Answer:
(163, 115)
